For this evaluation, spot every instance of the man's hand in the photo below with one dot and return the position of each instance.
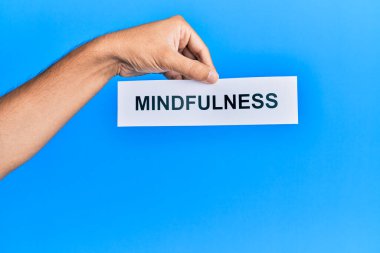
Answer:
(34, 112)
(170, 46)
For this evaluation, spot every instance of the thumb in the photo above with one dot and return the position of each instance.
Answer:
(192, 69)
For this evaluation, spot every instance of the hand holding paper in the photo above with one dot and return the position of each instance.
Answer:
(34, 112)
(170, 46)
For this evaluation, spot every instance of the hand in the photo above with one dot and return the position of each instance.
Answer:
(169, 46)
(32, 114)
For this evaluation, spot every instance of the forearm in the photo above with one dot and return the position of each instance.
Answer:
(33, 113)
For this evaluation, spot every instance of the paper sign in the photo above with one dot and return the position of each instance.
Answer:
(234, 101)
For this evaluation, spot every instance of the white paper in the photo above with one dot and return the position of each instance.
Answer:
(139, 101)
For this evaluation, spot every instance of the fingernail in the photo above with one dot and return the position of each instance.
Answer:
(212, 77)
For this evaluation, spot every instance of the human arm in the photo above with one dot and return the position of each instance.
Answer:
(33, 113)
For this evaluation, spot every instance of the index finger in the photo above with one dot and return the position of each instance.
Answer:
(199, 48)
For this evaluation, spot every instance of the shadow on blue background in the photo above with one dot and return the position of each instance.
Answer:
(312, 187)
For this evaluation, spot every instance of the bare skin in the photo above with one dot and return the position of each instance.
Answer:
(33, 113)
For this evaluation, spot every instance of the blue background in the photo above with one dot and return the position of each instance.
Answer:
(312, 187)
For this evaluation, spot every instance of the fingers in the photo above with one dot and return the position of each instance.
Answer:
(186, 52)
(173, 75)
(193, 42)
(199, 49)
(191, 69)
(194, 48)
(193, 60)
(176, 76)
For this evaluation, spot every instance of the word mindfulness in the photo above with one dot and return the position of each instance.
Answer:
(206, 102)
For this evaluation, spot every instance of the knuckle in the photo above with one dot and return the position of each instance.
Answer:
(179, 18)
(203, 52)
